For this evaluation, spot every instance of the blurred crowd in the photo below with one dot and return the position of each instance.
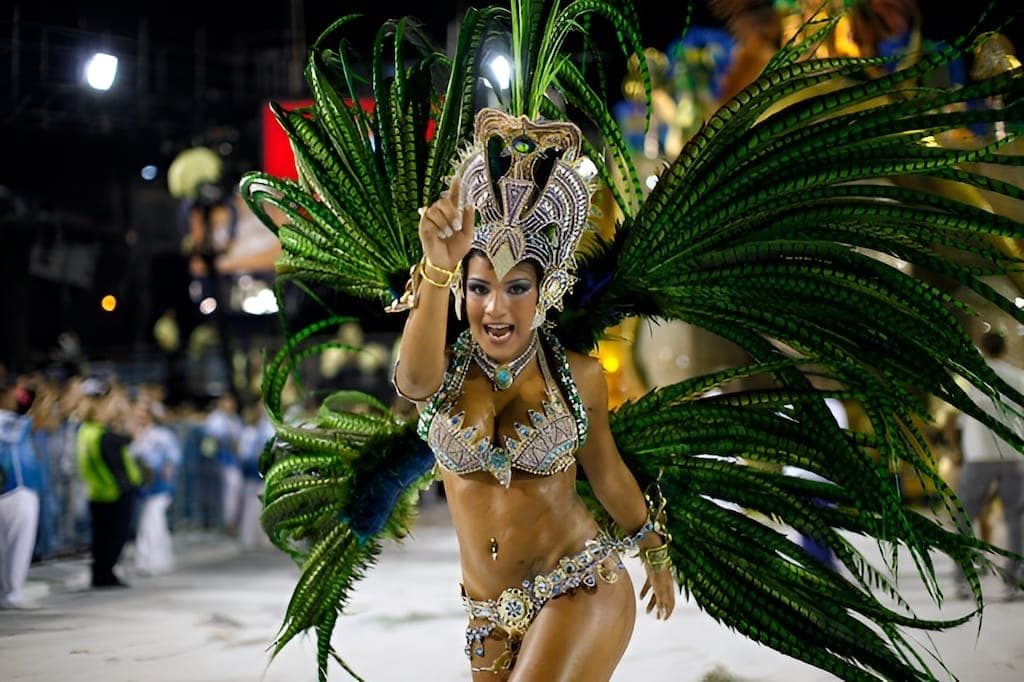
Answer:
(89, 464)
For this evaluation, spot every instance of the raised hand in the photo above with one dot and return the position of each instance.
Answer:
(444, 233)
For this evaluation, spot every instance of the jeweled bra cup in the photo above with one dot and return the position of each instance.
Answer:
(544, 446)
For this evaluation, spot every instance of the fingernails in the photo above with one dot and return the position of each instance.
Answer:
(421, 210)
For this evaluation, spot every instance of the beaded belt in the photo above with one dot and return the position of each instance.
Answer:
(515, 608)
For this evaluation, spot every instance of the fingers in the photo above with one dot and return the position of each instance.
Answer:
(445, 229)
(666, 598)
(453, 190)
(643, 593)
(662, 610)
(662, 600)
(439, 219)
(442, 217)
(468, 212)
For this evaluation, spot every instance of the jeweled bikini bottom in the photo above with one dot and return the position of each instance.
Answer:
(515, 608)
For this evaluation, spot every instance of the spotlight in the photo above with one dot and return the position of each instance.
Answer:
(100, 71)
(502, 71)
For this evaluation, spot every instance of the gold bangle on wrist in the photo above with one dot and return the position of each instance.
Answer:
(417, 273)
(656, 558)
(449, 275)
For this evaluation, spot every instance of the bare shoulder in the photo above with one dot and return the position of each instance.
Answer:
(589, 377)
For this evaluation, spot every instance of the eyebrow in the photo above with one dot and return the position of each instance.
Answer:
(487, 282)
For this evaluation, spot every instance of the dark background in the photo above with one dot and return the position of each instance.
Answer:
(191, 73)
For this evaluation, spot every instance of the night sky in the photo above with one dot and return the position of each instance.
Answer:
(76, 157)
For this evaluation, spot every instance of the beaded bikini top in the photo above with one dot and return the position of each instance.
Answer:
(544, 446)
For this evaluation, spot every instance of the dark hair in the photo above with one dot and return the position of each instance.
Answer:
(993, 344)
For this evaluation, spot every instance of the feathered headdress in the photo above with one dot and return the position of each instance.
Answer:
(524, 178)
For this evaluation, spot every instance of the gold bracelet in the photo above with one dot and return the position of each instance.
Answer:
(408, 300)
(450, 275)
(656, 558)
(657, 516)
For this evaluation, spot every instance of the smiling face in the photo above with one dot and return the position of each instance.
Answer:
(500, 312)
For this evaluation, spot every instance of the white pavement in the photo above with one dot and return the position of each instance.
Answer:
(212, 620)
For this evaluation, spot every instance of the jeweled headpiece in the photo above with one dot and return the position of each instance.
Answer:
(526, 181)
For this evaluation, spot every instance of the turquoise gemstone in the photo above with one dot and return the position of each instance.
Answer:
(503, 377)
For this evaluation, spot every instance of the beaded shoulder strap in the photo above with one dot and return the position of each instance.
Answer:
(572, 394)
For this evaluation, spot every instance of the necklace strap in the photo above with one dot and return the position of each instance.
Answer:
(503, 375)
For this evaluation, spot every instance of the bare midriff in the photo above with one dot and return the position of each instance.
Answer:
(533, 523)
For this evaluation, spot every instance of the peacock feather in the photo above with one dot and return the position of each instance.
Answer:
(818, 220)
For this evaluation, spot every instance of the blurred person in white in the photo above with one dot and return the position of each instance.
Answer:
(158, 451)
(988, 460)
(19, 494)
(222, 430)
(254, 435)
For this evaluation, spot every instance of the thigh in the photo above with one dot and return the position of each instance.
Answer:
(580, 636)
(490, 652)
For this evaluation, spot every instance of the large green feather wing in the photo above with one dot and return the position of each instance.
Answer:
(815, 222)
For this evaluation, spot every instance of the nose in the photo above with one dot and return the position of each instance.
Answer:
(493, 303)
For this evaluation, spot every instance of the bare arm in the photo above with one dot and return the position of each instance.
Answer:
(445, 237)
(612, 481)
